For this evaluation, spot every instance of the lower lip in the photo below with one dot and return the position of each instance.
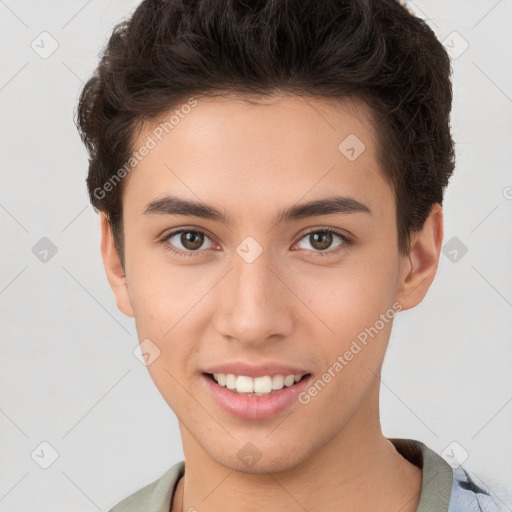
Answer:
(255, 407)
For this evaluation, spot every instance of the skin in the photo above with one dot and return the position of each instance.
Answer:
(288, 305)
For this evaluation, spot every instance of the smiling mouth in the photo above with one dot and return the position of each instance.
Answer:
(258, 386)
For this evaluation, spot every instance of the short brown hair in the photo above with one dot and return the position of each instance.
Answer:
(374, 50)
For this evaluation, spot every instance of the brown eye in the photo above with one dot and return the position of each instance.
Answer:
(191, 240)
(187, 240)
(321, 240)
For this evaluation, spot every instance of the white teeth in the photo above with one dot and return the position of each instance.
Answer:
(278, 382)
(230, 381)
(244, 384)
(258, 386)
(262, 384)
(289, 380)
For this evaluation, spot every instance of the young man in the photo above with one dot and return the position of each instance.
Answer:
(269, 177)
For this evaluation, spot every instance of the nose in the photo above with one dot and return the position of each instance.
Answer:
(254, 303)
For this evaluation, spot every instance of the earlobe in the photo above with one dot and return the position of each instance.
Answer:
(113, 268)
(419, 268)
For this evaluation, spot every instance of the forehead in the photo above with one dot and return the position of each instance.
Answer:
(237, 150)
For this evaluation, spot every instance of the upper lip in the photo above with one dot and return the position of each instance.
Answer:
(255, 370)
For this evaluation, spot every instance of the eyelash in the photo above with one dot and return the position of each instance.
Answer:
(346, 242)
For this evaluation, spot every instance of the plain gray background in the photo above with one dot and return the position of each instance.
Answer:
(69, 376)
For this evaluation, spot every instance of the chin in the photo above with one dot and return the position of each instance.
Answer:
(248, 458)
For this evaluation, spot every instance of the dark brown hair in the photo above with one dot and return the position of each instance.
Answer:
(373, 50)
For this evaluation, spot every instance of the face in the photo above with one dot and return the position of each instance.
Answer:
(286, 259)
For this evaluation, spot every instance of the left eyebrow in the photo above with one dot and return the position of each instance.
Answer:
(172, 205)
(327, 206)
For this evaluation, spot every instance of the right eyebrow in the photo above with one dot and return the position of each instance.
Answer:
(172, 205)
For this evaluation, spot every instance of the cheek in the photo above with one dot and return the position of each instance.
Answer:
(166, 304)
(350, 336)
(162, 295)
(350, 298)
(347, 303)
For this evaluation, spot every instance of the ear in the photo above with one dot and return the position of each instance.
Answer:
(419, 268)
(113, 268)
